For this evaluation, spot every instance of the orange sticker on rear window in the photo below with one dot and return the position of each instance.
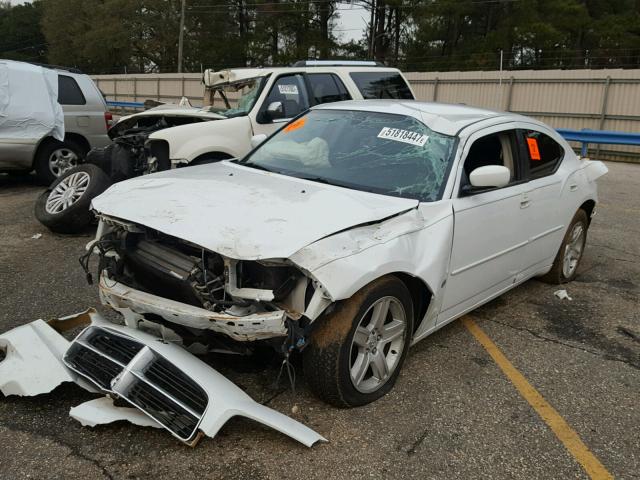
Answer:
(534, 153)
(295, 125)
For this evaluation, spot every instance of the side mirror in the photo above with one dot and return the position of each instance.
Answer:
(257, 140)
(490, 176)
(275, 111)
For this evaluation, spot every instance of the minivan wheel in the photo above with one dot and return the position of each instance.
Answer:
(54, 158)
(565, 265)
(356, 353)
(64, 206)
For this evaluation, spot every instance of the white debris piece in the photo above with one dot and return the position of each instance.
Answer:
(562, 295)
(101, 411)
(36, 236)
(33, 363)
(33, 357)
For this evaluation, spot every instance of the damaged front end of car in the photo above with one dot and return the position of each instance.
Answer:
(159, 283)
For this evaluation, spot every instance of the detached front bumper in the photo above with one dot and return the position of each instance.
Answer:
(169, 387)
(134, 304)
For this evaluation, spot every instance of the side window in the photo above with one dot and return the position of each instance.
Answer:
(544, 154)
(69, 92)
(494, 149)
(327, 88)
(286, 99)
(374, 85)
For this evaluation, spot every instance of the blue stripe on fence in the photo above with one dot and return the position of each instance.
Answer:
(600, 137)
(126, 104)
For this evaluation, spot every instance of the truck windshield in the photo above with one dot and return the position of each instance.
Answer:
(376, 152)
(237, 98)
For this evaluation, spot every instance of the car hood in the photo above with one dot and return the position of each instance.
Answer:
(241, 212)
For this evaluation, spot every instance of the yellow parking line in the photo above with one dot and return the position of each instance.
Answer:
(552, 418)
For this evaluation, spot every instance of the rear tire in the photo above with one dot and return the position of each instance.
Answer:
(565, 265)
(64, 206)
(353, 359)
(54, 158)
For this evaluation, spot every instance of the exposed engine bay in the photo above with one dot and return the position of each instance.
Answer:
(128, 157)
(151, 277)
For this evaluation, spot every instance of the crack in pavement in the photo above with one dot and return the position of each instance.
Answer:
(600, 354)
(417, 443)
(12, 427)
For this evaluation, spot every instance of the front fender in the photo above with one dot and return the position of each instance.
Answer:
(417, 242)
(186, 142)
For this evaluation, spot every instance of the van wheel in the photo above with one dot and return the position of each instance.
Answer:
(65, 206)
(565, 265)
(356, 354)
(54, 158)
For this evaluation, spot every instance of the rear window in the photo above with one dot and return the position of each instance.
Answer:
(69, 92)
(327, 88)
(374, 85)
(543, 152)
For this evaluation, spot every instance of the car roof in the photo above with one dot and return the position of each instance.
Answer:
(213, 78)
(445, 118)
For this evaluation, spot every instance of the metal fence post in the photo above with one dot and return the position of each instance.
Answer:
(603, 110)
(158, 88)
(135, 89)
(435, 89)
(510, 93)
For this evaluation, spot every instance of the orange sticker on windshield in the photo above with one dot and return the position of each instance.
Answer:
(534, 153)
(295, 125)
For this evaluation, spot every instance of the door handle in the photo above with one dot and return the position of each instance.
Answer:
(573, 187)
(525, 203)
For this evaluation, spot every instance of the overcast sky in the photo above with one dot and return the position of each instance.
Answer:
(349, 26)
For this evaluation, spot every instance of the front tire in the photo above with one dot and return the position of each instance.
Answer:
(356, 354)
(65, 206)
(565, 265)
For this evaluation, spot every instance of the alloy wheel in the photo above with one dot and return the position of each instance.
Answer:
(573, 250)
(61, 160)
(377, 344)
(67, 192)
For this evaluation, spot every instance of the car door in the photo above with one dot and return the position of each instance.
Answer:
(490, 225)
(548, 214)
(287, 98)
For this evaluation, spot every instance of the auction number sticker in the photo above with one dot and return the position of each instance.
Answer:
(534, 152)
(288, 89)
(405, 136)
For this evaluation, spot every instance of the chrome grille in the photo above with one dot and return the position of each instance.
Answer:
(131, 370)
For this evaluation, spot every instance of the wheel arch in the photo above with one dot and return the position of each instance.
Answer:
(421, 295)
(79, 140)
(588, 207)
(210, 156)
(73, 137)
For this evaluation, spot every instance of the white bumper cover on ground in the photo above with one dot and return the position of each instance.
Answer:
(34, 363)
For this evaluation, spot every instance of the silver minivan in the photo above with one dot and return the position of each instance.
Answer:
(86, 121)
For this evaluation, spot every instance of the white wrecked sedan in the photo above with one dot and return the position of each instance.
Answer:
(353, 232)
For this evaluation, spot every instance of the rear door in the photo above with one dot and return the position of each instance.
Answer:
(548, 213)
(326, 88)
(491, 225)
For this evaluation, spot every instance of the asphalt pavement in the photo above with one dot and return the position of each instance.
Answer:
(452, 414)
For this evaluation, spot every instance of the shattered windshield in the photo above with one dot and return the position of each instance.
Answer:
(377, 152)
(237, 98)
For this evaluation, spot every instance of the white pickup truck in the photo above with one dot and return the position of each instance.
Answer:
(257, 101)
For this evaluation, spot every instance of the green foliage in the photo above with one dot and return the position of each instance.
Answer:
(114, 36)
(20, 35)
